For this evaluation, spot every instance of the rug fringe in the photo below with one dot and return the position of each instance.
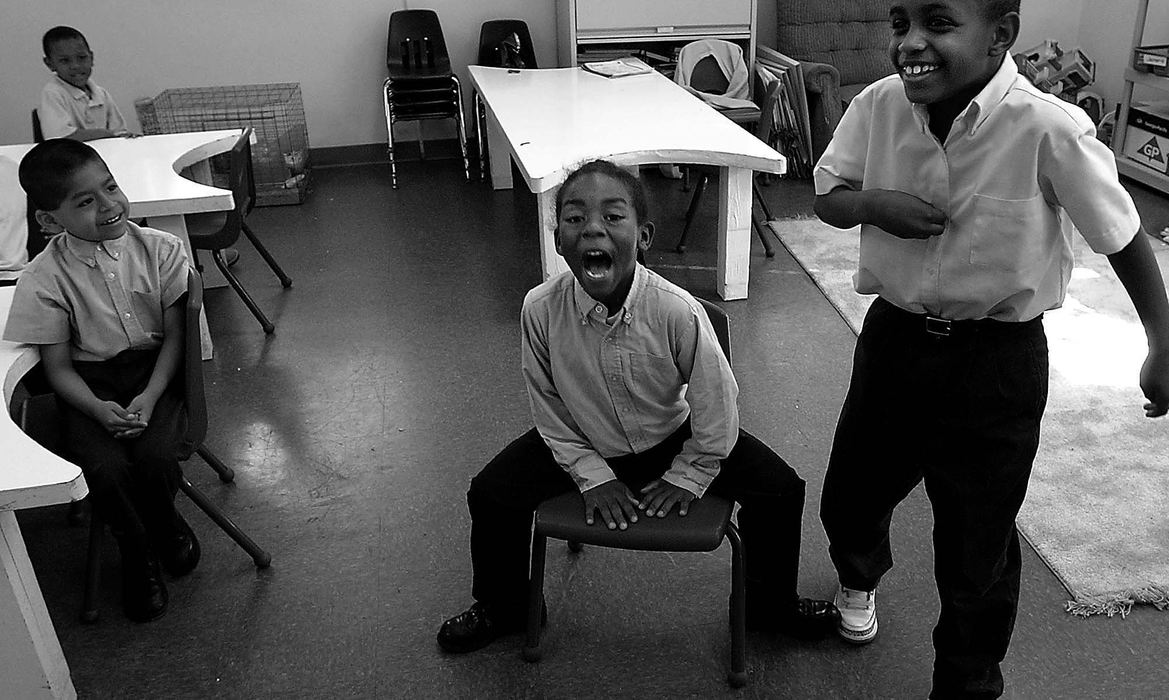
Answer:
(1119, 603)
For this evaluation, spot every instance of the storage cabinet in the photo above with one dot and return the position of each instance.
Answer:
(653, 25)
(1129, 139)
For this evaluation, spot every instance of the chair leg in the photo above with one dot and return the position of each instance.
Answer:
(89, 612)
(387, 102)
(690, 211)
(462, 128)
(770, 252)
(285, 280)
(480, 136)
(737, 676)
(217, 255)
(761, 228)
(261, 558)
(226, 473)
(532, 651)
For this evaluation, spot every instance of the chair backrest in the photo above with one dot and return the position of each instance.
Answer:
(495, 41)
(414, 43)
(242, 186)
(721, 323)
(699, 69)
(37, 134)
(852, 36)
(194, 395)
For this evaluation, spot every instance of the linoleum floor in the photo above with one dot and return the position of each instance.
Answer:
(392, 377)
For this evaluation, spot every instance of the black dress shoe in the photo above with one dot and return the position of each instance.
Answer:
(180, 550)
(807, 618)
(481, 625)
(144, 596)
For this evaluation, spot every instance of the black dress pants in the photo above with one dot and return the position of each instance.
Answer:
(961, 411)
(505, 494)
(132, 482)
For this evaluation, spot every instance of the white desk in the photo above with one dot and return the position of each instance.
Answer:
(147, 170)
(551, 121)
(31, 662)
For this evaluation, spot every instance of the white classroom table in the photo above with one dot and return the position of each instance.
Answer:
(147, 170)
(550, 121)
(31, 662)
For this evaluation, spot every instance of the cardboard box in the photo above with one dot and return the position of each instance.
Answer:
(1147, 138)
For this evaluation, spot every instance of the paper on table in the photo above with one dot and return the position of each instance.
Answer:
(618, 67)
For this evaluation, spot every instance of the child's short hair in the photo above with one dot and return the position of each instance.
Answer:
(997, 8)
(604, 167)
(61, 33)
(46, 170)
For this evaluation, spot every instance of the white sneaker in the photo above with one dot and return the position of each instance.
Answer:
(858, 615)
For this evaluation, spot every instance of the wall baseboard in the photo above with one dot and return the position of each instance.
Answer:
(404, 151)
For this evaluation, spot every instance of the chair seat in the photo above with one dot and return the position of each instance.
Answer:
(701, 530)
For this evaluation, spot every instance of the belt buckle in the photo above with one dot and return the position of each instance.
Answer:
(938, 326)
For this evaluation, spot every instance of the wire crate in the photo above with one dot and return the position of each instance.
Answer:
(280, 154)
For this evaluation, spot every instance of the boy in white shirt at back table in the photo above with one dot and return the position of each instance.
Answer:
(72, 105)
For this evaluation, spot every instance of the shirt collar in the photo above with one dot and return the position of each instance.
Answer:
(587, 306)
(91, 92)
(983, 104)
(89, 251)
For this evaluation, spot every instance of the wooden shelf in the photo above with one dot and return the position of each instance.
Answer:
(1158, 82)
(1142, 173)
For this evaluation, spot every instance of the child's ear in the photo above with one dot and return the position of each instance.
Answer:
(646, 235)
(48, 64)
(48, 222)
(1006, 31)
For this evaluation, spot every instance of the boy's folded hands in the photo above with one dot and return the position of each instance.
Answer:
(120, 422)
(618, 506)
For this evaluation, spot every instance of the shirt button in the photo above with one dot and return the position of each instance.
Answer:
(127, 314)
(599, 309)
(111, 275)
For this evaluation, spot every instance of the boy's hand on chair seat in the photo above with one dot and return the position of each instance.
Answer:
(615, 501)
(904, 215)
(660, 497)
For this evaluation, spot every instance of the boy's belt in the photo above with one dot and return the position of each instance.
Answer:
(943, 328)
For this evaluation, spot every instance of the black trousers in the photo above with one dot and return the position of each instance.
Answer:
(505, 493)
(132, 482)
(961, 412)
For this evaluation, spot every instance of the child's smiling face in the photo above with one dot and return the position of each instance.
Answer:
(598, 235)
(947, 50)
(71, 60)
(94, 209)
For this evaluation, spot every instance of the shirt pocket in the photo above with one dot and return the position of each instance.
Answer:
(654, 371)
(1006, 234)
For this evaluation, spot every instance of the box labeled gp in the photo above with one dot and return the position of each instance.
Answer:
(1147, 141)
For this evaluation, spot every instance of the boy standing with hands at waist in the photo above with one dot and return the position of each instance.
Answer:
(72, 105)
(635, 407)
(967, 182)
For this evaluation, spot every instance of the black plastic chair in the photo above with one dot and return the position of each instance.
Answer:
(39, 418)
(702, 530)
(421, 84)
(503, 43)
(216, 232)
(37, 134)
(708, 77)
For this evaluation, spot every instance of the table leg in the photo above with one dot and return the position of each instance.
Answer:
(31, 661)
(499, 154)
(177, 225)
(550, 261)
(734, 232)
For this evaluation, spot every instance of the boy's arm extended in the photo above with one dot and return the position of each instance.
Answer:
(69, 385)
(1136, 267)
(897, 213)
(165, 366)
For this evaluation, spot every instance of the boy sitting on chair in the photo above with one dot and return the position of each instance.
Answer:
(634, 405)
(103, 303)
(72, 105)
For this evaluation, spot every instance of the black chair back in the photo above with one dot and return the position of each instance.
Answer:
(495, 38)
(37, 134)
(415, 45)
(196, 399)
(242, 189)
(722, 325)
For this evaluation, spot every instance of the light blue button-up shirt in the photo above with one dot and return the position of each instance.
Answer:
(602, 387)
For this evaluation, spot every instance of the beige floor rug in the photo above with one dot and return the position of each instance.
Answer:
(1097, 509)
